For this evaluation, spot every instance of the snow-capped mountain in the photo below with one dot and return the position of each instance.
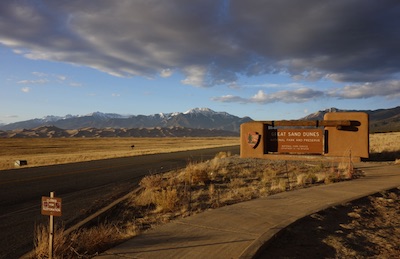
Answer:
(198, 118)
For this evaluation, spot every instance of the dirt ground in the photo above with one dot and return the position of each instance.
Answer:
(365, 228)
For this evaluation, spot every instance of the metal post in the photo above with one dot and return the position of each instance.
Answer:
(51, 232)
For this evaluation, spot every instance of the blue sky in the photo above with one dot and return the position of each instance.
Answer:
(275, 59)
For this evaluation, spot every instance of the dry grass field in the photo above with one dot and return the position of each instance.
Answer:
(49, 151)
(385, 146)
(384, 142)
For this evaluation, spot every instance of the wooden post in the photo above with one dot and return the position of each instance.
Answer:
(51, 231)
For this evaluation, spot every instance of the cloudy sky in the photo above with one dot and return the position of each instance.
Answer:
(271, 59)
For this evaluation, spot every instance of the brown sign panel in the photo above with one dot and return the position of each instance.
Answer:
(307, 141)
(51, 206)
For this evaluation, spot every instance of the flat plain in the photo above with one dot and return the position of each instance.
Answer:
(51, 151)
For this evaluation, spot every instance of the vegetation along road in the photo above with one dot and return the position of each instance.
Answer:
(84, 187)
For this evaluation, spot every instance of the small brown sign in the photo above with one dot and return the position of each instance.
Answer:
(51, 206)
(307, 141)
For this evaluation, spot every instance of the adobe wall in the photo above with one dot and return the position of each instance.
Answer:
(346, 139)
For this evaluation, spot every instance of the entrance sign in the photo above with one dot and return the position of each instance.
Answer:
(309, 141)
(338, 135)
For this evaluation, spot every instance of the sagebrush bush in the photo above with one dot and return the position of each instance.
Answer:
(41, 242)
(278, 185)
(196, 173)
(82, 243)
(152, 181)
(167, 200)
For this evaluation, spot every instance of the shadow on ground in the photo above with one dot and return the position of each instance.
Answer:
(384, 156)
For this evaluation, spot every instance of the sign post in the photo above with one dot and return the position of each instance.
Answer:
(51, 206)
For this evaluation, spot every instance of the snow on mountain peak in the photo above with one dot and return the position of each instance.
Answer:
(102, 115)
(50, 118)
(200, 110)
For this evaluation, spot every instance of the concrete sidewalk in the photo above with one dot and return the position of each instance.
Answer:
(238, 231)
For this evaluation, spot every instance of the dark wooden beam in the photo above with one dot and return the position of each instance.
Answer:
(315, 123)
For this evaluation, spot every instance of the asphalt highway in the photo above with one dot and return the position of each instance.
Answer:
(83, 187)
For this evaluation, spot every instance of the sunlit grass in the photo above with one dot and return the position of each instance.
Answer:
(48, 151)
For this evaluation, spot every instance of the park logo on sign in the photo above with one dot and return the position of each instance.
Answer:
(253, 139)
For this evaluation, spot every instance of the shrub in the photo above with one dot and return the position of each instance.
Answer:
(196, 173)
(41, 242)
(152, 181)
(278, 185)
(166, 200)
(83, 243)
(306, 178)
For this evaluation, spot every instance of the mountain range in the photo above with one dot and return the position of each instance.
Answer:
(198, 118)
(195, 122)
(54, 132)
(381, 120)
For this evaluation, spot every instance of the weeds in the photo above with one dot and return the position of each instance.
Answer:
(83, 243)
(227, 179)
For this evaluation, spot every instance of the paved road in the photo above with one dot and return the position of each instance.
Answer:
(83, 187)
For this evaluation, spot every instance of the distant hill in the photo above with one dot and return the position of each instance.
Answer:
(382, 120)
(198, 118)
(54, 132)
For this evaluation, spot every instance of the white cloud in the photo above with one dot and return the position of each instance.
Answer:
(26, 89)
(75, 84)
(39, 74)
(38, 81)
(389, 89)
(61, 77)
(195, 75)
(300, 95)
(166, 73)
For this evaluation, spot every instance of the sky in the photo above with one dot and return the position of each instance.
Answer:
(270, 60)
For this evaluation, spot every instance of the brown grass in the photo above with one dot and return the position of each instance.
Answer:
(49, 151)
(222, 181)
(385, 146)
(384, 142)
(83, 243)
